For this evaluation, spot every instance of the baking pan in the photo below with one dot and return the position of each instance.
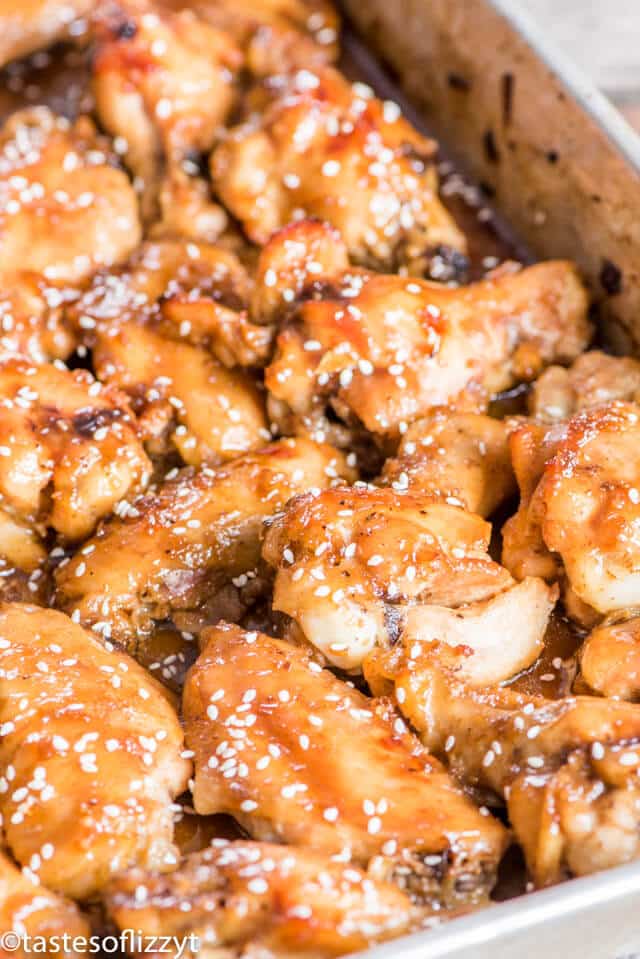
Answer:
(563, 168)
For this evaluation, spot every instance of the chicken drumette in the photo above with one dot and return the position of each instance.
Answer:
(90, 756)
(191, 549)
(325, 148)
(249, 898)
(356, 566)
(65, 208)
(380, 351)
(298, 756)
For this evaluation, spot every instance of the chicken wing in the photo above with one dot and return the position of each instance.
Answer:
(164, 82)
(328, 149)
(298, 756)
(579, 513)
(69, 452)
(249, 898)
(568, 769)
(593, 379)
(462, 458)
(193, 547)
(32, 320)
(354, 564)
(382, 351)
(30, 25)
(54, 172)
(29, 909)
(90, 756)
(610, 658)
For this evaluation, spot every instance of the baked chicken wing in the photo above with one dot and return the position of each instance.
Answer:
(462, 458)
(193, 547)
(579, 514)
(610, 658)
(354, 565)
(32, 318)
(90, 754)
(328, 149)
(164, 83)
(30, 25)
(381, 351)
(298, 756)
(29, 909)
(592, 379)
(69, 451)
(568, 769)
(65, 208)
(250, 898)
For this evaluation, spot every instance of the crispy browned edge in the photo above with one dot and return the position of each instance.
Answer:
(535, 132)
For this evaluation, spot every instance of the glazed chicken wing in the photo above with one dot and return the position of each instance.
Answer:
(568, 769)
(162, 329)
(69, 452)
(592, 379)
(328, 149)
(462, 458)
(610, 658)
(65, 209)
(579, 513)
(28, 909)
(193, 548)
(298, 756)
(382, 351)
(354, 564)
(32, 320)
(90, 756)
(249, 898)
(30, 25)
(164, 82)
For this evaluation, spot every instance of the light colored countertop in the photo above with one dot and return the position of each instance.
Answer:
(602, 37)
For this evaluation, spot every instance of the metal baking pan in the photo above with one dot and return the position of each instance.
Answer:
(563, 169)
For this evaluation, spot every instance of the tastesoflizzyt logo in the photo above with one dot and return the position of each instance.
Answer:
(177, 947)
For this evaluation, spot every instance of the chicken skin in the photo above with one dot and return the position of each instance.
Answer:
(56, 173)
(353, 565)
(69, 452)
(381, 351)
(33, 24)
(192, 547)
(250, 898)
(28, 909)
(568, 769)
(462, 458)
(328, 149)
(90, 756)
(298, 756)
(593, 379)
(579, 515)
(164, 82)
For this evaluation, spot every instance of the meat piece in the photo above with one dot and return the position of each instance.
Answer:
(249, 898)
(382, 351)
(352, 564)
(568, 769)
(55, 172)
(192, 548)
(328, 149)
(580, 501)
(462, 458)
(32, 321)
(610, 659)
(33, 24)
(28, 909)
(69, 452)
(163, 81)
(90, 756)
(298, 756)
(593, 379)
